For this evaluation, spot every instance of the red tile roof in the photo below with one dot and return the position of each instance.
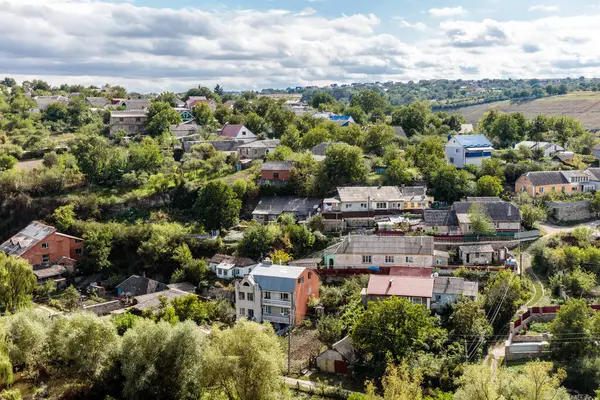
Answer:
(422, 272)
(382, 285)
(231, 130)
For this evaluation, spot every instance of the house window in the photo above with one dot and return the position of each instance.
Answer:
(45, 245)
(250, 313)
(438, 297)
(484, 256)
(389, 259)
(381, 206)
(458, 150)
(275, 175)
(120, 119)
(78, 252)
(553, 189)
(45, 258)
(267, 309)
(241, 296)
(250, 297)
(410, 259)
(243, 133)
(285, 296)
(452, 160)
(300, 280)
(541, 190)
(574, 188)
(348, 206)
(309, 275)
(366, 259)
(255, 151)
(412, 205)
(268, 295)
(362, 205)
(242, 311)
(417, 300)
(438, 262)
(285, 312)
(138, 120)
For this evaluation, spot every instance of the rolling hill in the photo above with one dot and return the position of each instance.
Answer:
(584, 106)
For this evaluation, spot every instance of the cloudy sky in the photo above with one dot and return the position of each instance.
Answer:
(155, 45)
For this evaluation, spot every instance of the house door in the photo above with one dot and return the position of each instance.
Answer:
(468, 258)
(331, 263)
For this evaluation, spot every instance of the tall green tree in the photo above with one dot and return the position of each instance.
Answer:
(160, 117)
(321, 98)
(480, 222)
(218, 206)
(451, 184)
(368, 100)
(489, 186)
(17, 283)
(504, 293)
(344, 164)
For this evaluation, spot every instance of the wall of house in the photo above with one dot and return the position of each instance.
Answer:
(569, 212)
(455, 154)
(270, 175)
(372, 206)
(58, 246)
(415, 205)
(477, 258)
(514, 226)
(415, 300)
(525, 183)
(305, 290)
(253, 153)
(378, 260)
(131, 125)
(255, 305)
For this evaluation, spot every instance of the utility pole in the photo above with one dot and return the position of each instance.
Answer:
(292, 314)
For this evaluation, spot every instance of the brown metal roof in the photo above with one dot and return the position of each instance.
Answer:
(382, 285)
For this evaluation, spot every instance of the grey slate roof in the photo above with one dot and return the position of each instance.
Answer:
(219, 145)
(456, 286)
(44, 101)
(97, 102)
(593, 173)
(477, 248)
(564, 155)
(484, 199)
(34, 233)
(276, 205)
(137, 285)
(440, 218)
(277, 278)
(184, 129)
(346, 349)
(540, 178)
(410, 192)
(372, 244)
(136, 104)
(153, 299)
(399, 131)
(320, 149)
(277, 166)
(262, 144)
(237, 261)
(374, 193)
(497, 211)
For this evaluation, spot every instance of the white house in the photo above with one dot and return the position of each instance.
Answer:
(373, 200)
(468, 149)
(549, 148)
(367, 252)
(230, 267)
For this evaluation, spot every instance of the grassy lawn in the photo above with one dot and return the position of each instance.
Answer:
(333, 380)
(539, 290)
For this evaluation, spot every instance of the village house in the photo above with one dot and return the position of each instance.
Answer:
(370, 201)
(442, 221)
(594, 175)
(258, 149)
(194, 100)
(468, 149)
(97, 102)
(184, 129)
(226, 146)
(302, 208)
(504, 216)
(42, 102)
(276, 293)
(481, 254)
(53, 273)
(338, 358)
(135, 104)
(447, 290)
(540, 182)
(417, 290)
(230, 267)
(130, 122)
(42, 245)
(375, 252)
(237, 132)
(186, 115)
(342, 120)
(276, 171)
(548, 148)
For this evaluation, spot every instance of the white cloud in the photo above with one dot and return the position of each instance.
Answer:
(544, 8)
(447, 12)
(147, 49)
(419, 26)
(306, 12)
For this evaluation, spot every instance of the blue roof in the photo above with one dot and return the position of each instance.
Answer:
(277, 278)
(472, 141)
(340, 117)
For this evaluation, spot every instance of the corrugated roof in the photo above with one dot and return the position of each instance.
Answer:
(33, 233)
(235, 260)
(345, 348)
(278, 166)
(320, 149)
(374, 193)
(472, 141)
(593, 173)
(455, 286)
(219, 145)
(137, 285)
(497, 211)
(402, 286)
(372, 244)
(49, 272)
(541, 178)
(276, 205)
(399, 131)
(153, 299)
(133, 113)
(440, 217)
(477, 248)
(262, 144)
(423, 272)
(277, 278)
(232, 130)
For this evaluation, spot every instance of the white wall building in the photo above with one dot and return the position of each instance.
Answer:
(468, 149)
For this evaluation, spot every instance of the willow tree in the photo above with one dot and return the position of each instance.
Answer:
(17, 283)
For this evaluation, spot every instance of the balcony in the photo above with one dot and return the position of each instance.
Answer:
(278, 319)
(277, 303)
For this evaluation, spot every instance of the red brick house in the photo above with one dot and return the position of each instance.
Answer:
(42, 245)
(276, 171)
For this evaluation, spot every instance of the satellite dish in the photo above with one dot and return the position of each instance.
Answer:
(436, 274)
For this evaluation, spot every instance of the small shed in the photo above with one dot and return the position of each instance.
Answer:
(338, 358)
(476, 254)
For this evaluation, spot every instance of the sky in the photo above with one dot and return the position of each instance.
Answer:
(159, 45)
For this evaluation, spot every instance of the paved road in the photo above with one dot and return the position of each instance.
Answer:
(551, 228)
